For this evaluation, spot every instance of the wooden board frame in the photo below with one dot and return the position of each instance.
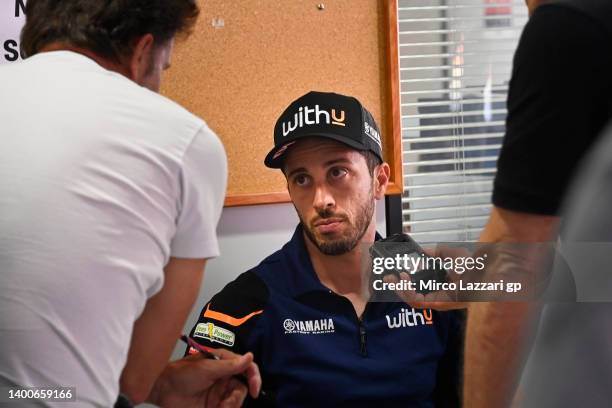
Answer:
(393, 108)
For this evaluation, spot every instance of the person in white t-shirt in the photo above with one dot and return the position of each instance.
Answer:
(109, 199)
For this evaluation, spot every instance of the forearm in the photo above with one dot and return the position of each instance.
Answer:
(157, 329)
(498, 339)
(146, 363)
(499, 335)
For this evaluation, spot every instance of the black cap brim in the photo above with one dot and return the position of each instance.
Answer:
(274, 160)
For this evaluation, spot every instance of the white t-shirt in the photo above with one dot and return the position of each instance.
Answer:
(101, 181)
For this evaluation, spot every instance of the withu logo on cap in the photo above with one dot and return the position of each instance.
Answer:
(303, 117)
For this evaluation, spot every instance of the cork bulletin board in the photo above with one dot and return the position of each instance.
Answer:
(247, 60)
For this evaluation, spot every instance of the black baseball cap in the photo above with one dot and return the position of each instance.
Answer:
(330, 115)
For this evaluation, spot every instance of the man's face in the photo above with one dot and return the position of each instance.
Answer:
(332, 191)
(158, 62)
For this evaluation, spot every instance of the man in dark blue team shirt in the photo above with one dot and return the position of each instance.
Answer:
(317, 339)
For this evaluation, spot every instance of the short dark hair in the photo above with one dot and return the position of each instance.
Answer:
(371, 159)
(106, 27)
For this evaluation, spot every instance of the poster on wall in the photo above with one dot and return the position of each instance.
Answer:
(12, 18)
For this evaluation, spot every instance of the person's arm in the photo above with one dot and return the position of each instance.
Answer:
(546, 136)
(231, 319)
(201, 184)
(498, 335)
(157, 330)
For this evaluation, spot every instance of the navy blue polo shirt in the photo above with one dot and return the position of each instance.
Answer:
(313, 349)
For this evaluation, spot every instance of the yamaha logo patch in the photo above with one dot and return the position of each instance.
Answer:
(320, 326)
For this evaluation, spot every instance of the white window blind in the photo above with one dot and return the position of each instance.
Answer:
(455, 65)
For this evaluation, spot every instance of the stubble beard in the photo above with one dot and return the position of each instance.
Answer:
(351, 238)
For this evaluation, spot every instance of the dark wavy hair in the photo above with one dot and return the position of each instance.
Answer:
(106, 27)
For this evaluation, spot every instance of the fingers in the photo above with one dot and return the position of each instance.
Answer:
(253, 379)
(409, 296)
(227, 392)
(250, 370)
(432, 251)
(439, 300)
(444, 251)
(235, 394)
(230, 364)
(218, 392)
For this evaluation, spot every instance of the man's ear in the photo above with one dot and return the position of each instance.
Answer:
(381, 180)
(140, 61)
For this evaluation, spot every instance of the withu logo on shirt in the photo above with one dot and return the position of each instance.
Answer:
(313, 116)
(410, 318)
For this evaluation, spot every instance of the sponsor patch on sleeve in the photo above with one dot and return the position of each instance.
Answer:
(215, 334)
